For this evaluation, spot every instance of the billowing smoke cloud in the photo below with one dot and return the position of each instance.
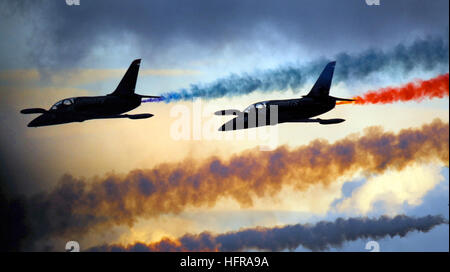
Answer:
(414, 91)
(320, 236)
(422, 54)
(78, 206)
(163, 32)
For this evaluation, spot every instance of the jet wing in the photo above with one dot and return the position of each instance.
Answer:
(233, 124)
(236, 123)
(130, 116)
(240, 123)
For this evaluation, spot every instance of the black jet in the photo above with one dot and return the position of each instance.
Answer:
(272, 112)
(79, 109)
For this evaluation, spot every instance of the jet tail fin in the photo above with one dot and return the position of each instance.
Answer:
(322, 86)
(127, 85)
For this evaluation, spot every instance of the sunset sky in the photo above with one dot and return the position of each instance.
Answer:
(87, 181)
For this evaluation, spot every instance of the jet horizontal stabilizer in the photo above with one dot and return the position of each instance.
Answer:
(322, 121)
(33, 111)
(149, 96)
(228, 112)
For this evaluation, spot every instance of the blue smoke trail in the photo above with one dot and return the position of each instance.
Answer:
(421, 54)
(153, 99)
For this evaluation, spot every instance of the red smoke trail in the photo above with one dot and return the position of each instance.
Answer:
(417, 90)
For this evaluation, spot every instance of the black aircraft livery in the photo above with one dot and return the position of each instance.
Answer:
(272, 112)
(79, 109)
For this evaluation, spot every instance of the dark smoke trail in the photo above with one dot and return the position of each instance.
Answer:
(422, 54)
(78, 206)
(320, 236)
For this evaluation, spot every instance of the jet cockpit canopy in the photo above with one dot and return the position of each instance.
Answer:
(256, 106)
(62, 104)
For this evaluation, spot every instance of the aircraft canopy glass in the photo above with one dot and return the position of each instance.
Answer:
(257, 106)
(63, 103)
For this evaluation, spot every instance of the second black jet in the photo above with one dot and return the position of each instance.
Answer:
(316, 102)
(79, 109)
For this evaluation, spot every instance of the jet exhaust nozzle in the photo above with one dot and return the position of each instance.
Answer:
(342, 99)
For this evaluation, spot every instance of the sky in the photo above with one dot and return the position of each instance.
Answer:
(173, 182)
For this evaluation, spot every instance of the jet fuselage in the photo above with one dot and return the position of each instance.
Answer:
(292, 110)
(79, 109)
(272, 112)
